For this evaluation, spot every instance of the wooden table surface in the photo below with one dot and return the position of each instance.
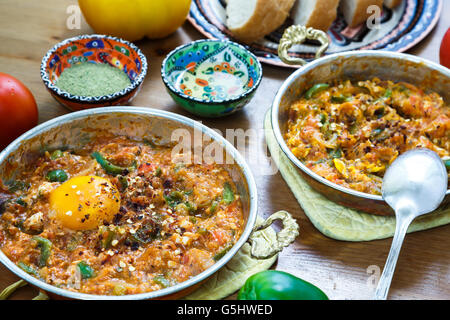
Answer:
(29, 28)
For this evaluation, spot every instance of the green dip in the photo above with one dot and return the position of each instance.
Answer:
(92, 79)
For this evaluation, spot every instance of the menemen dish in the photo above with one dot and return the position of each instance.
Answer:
(350, 132)
(118, 217)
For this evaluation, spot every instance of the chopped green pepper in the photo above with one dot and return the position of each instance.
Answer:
(387, 94)
(222, 252)
(202, 231)
(213, 207)
(107, 239)
(227, 194)
(19, 224)
(190, 207)
(21, 202)
(340, 99)
(162, 281)
(278, 285)
(57, 176)
(28, 269)
(56, 154)
(123, 183)
(85, 270)
(316, 89)
(174, 198)
(335, 153)
(110, 168)
(46, 246)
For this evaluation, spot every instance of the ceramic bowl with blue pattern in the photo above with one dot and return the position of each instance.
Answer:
(211, 78)
(116, 52)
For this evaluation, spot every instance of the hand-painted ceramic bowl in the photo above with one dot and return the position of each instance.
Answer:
(211, 78)
(94, 49)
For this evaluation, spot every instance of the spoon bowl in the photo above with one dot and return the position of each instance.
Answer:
(414, 184)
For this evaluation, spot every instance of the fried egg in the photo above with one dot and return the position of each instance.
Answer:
(85, 202)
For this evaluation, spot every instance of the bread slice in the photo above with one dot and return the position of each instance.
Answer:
(355, 11)
(392, 3)
(250, 20)
(318, 14)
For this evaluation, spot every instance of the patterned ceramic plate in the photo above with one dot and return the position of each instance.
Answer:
(400, 29)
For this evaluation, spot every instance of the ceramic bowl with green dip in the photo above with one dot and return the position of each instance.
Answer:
(91, 71)
(211, 78)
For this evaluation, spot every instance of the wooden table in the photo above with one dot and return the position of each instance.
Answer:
(29, 28)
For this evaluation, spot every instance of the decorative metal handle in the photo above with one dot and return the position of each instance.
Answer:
(297, 34)
(263, 248)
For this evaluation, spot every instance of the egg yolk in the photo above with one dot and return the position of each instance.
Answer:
(85, 202)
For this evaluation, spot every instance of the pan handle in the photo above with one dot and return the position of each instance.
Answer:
(262, 248)
(297, 34)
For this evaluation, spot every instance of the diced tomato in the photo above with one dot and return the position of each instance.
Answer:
(146, 169)
(220, 236)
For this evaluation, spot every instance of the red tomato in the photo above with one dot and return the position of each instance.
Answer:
(18, 109)
(444, 54)
(146, 168)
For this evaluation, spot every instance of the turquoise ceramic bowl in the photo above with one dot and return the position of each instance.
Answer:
(211, 78)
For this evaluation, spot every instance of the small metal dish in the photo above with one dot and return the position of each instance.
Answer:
(355, 66)
(211, 78)
(94, 49)
(75, 129)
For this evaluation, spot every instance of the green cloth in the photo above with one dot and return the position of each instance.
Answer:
(336, 221)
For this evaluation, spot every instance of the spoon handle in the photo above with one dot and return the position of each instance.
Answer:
(403, 222)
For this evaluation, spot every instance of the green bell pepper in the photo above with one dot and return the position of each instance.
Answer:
(110, 168)
(227, 194)
(85, 270)
(56, 154)
(315, 89)
(57, 176)
(46, 249)
(28, 269)
(278, 285)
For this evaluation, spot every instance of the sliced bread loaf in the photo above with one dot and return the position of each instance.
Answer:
(318, 14)
(355, 11)
(250, 20)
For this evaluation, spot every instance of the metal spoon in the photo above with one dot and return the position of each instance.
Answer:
(414, 184)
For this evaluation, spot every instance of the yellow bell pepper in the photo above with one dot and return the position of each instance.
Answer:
(340, 166)
(136, 19)
(375, 167)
